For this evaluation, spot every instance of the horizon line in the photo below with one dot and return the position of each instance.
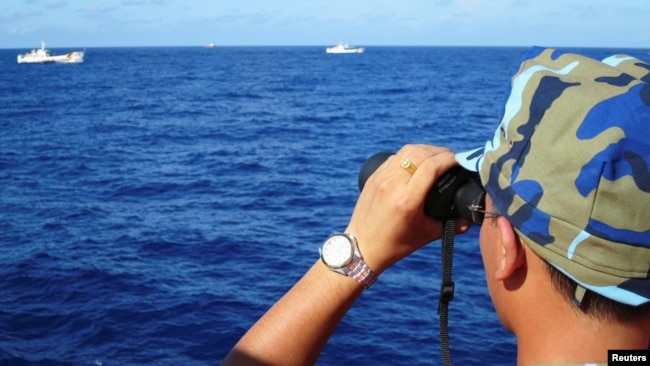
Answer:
(324, 45)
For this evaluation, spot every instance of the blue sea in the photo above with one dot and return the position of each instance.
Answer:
(155, 202)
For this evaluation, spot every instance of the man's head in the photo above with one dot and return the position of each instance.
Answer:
(569, 168)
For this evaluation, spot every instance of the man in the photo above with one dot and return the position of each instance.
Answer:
(566, 237)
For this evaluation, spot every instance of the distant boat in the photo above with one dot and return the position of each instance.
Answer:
(209, 45)
(43, 55)
(344, 48)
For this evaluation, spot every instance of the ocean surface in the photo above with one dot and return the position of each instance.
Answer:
(155, 202)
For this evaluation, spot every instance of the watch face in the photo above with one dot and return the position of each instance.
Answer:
(337, 251)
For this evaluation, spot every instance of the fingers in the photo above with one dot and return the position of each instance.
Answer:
(390, 211)
(462, 226)
(414, 155)
(413, 170)
(425, 163)
(430, 168)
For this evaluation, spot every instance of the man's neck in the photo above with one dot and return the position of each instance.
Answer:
(572, 337)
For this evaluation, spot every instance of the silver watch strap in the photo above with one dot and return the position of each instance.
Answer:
(361, 273)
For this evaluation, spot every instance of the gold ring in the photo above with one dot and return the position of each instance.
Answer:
(408, 165)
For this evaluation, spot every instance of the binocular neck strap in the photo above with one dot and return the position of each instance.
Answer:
(446, 287)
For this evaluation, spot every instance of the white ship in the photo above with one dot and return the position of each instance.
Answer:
(344, 48)
(43, 55)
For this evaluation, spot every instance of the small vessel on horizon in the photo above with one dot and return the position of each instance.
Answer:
(43, 55)
(344, 48)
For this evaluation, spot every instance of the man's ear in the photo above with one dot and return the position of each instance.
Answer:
(512, 250)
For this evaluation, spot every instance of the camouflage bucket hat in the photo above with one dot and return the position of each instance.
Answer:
(569, 166)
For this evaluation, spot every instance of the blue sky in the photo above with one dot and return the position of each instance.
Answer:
(109, 23)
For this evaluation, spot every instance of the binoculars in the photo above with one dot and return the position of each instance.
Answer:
(456, 194)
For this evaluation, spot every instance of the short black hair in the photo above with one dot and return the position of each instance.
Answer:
(596, 305)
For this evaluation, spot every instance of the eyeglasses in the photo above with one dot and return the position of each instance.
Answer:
(478, 213)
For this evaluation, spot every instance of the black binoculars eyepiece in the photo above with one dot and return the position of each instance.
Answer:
(456, 194)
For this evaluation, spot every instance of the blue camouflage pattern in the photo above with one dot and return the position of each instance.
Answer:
(569, 166)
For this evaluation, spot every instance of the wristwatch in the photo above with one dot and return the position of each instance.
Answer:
(341, 254)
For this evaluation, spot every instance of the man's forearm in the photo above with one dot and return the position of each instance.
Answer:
(297, 327)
